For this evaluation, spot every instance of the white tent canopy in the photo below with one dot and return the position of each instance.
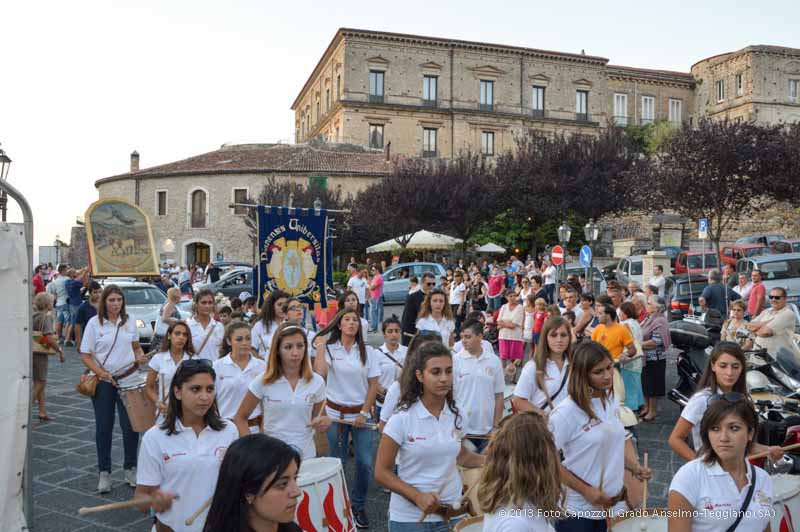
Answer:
(420, 240)
(490, 248)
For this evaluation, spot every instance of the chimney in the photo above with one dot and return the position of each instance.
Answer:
(134, 161)
(388, 151)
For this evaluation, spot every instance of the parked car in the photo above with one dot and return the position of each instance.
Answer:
(233, 283)
(765, 239)
(681, 293)
(610, 272)
(672, 252)
(692, 262)
(732, 254)
(397, 278)
(143, 301)
(776, 270)
(629, 269)
(786, 246)
(598, 279)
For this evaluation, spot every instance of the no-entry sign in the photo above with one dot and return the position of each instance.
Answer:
(557, 255)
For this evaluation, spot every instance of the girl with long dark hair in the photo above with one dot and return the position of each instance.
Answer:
(236, 368)
(257, 487)
(436, 315)
(424, 437)
(352, 372)
(270, 316)
(180, 458)
(207, 332)
(174, 349)
(110, 349)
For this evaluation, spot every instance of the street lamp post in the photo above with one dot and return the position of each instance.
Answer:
(591, 232)
(564, 232)
(5, 166)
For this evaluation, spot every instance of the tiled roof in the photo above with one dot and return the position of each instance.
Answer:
(625, 71)
(281, 158)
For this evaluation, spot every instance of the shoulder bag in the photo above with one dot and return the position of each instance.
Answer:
(87, 385)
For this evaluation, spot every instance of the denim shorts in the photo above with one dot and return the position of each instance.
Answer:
(64, 313)
(73, 313)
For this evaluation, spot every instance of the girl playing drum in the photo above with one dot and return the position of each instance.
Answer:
(175, 348)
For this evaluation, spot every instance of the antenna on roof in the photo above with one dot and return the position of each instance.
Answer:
(583, 52)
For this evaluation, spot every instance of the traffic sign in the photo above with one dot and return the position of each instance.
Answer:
(586, 256)
(557, 255)
(702, 228)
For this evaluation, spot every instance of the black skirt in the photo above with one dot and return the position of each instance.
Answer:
(653, 378)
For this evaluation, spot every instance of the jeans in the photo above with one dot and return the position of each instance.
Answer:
(495, 302)
(479, 443)
(364, 442)
(376, 313)
(105, 399)
(581, 524)
(549, 293)
(431, 526)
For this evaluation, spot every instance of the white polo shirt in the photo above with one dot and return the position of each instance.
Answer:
(476, 382)
(390, 371)
(210, 350)
(165, 369)
(391, 402)
(593, 450)
(714, 496)
(693, 413)
(426, 459)
(525, 519)
(98, 339)
(232, 384)
(347, 377)
(456, 292)
(287, 411)
(528, 388)
(185, 464)
(261, 337)
(444, 327)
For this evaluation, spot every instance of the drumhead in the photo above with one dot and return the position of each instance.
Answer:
(784, 487)
(630, 522)
(314, 470)
(470, 524)
(136, 380)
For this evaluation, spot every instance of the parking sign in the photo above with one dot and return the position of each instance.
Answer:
(702, 228)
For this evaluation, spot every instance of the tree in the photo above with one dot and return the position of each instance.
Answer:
(716, 170)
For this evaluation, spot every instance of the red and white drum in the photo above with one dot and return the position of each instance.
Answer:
(324, 504)
(785, 503)
(141, 410)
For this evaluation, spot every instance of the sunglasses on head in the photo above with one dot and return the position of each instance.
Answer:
(728, 397)
(196, 363)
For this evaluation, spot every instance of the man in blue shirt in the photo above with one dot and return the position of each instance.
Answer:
(716, 295)
(74, 285)
(87, 310)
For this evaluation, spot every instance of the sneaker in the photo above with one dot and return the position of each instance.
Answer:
(130, 477)
(104, 484)
(60, 341)
(361, 518)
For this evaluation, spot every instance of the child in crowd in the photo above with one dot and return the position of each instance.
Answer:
(225, 315)
(539, 317)
(553, 311)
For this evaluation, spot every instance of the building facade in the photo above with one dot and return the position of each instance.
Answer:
(435, 97)
(189, 201)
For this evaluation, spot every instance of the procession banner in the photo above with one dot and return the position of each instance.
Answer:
(293, 253)
(120, 239)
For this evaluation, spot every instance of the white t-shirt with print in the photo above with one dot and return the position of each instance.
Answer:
(476, 383)
(99, 339)
(528, 388)
(693, 413)
(232, 384)
(215, 332)
(390, 371)
(348, 378)
(444, 327)
(714, 495)
(359, 286)
(456, 293)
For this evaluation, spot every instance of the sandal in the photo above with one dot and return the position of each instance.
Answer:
(46, 418)
(649, 419)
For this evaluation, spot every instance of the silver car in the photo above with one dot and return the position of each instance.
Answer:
(776, 270)
(143, 302)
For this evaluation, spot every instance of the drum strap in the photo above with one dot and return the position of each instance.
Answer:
(549, 400)
(747, 500)
(205, 341)
(399, 365)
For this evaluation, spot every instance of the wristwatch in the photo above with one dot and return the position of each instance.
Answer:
(365, 414)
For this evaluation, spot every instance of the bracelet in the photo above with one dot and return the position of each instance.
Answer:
(364, 414)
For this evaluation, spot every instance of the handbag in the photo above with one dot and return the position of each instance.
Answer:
(44, 344)
(87, 385)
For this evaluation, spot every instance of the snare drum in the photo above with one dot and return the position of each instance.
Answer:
(470, 524)
(654, 521)
(324, 503)
(785, 502)
(141, 410)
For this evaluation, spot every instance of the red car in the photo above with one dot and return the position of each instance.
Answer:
(692, 262)
(731, 254)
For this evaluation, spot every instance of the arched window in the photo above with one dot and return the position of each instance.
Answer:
(199, 208)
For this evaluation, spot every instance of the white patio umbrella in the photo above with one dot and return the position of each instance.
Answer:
(490, 248)
(420, 240)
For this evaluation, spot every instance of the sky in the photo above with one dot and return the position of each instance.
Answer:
(84, 83)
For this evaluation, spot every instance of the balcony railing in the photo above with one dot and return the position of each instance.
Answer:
(538, 113)
(621, 121)
(428, 103)
(645, 121)
(486, 107)
(582, 117)
(376, 98)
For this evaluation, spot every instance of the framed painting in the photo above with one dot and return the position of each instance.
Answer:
(120, 239)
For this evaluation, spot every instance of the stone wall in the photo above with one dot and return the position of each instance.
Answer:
(78, 255)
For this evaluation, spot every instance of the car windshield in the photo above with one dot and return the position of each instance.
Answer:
(696, 261)
(780, 269)
(143, 295)
(752, 252)
(796, 247)
(696, 288)
(636, 268)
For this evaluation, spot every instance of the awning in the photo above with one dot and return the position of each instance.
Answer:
(420, 240)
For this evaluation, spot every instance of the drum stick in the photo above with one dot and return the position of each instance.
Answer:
(163, 390)
(764, 454)
(372, 426)
(115, 506)
(644, 495)
(192, 518)
(321, 411)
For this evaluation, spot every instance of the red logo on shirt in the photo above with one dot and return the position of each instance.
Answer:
(219, 452)
(412, 439)
(168, 457)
